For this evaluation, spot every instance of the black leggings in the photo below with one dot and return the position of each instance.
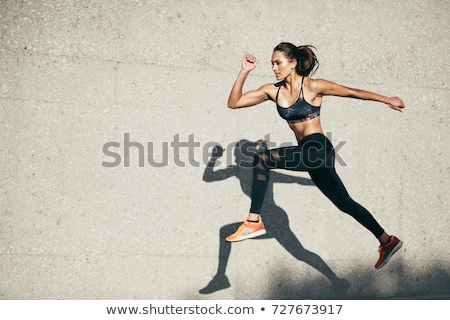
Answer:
(314, 154)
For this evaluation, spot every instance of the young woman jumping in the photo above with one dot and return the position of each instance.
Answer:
(298, 99)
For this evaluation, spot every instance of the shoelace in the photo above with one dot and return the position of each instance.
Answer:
(242, 226)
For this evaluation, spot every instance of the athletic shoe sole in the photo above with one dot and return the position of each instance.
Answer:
(250, 236)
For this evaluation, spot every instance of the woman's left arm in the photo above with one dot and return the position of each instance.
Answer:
(327, 88)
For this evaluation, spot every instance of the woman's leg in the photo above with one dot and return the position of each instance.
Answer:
(253, 225)
(314, 154)
(308, 155)
(262, 163)
(332, 187)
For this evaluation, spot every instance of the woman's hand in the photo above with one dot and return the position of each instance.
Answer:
(237, 99)
(396, 103)
(249, 63)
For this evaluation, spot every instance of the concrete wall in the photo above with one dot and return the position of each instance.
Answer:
(76, 75)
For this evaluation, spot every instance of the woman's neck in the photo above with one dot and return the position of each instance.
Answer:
(293, 81)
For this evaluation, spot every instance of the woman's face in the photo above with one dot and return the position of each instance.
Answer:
(281, 66)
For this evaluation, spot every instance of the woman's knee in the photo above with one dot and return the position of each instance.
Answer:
(262, 161)
(260, 168)
(347, 205)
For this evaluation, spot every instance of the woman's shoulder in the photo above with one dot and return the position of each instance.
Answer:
(316, 84)
(272, 86)
(317, 81)
(270, 89)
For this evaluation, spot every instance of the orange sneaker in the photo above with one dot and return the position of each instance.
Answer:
(248, 230)
(387, 251)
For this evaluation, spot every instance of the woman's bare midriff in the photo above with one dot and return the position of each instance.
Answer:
(303, 129)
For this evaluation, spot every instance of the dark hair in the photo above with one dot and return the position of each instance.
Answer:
(307, 62)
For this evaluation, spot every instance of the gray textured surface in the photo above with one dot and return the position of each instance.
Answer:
(78, 74)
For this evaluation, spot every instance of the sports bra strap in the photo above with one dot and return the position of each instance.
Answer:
(301, 89)
(276, 98)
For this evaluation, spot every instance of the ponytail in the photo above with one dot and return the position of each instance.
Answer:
(307, 62)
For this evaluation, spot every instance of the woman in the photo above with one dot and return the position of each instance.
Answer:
(298, 99)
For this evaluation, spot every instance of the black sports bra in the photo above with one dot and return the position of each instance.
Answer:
(300, 111)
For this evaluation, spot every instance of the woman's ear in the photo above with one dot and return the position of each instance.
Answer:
(293, 64)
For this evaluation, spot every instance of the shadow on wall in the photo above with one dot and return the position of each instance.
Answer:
(433, 281)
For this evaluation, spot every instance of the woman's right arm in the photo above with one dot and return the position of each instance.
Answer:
(237, 99)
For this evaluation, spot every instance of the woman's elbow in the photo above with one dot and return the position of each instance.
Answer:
(232, 105)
